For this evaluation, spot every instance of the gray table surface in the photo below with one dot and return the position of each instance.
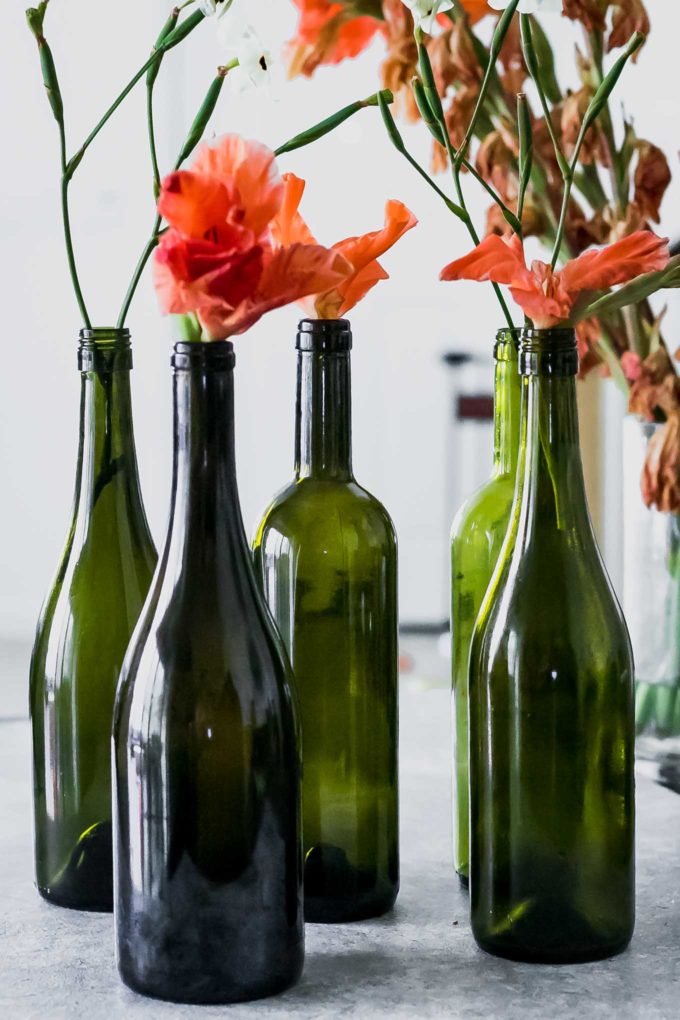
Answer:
(420, 961)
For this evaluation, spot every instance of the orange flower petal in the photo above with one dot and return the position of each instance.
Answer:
(498, 259)
(252, 168)
(288, 275)
(194, 202)
(289, 226)
(362, 253)
(641, 252)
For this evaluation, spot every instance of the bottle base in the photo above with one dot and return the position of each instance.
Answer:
(556, 955)
(56, 898)
(320, 910)
(207, 992)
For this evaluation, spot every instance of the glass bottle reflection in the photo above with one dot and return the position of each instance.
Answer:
(84, 629)
(551, 705)
(206, 752)
(326, 553)
(477, 537)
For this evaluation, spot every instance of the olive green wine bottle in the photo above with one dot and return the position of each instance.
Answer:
(207, 821)
(327, 556)
(552, 869)
(83, 632)
(477, 536)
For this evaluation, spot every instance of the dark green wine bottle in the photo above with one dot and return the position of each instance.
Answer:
(477, 537)
(84, 629)
(207, 823)
(552, 869)
(326, 552)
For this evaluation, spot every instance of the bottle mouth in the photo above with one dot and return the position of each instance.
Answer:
(212, 355)
(104, 337)
(507, 342)
(548, 352)
(103, 350)
(324, 335)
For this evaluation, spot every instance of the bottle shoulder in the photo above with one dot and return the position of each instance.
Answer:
(487, 507)
(310, 506)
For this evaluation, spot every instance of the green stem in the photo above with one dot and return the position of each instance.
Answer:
(149, 248)
(152, 141)
(73, 269)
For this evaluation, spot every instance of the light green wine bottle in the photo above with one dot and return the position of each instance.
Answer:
(83, 632)
(551, 704)
(477, 536)
(327, 556)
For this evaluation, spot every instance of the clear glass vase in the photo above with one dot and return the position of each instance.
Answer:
(651, 597)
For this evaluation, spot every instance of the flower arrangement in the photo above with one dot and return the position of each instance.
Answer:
(246, 274)
(558, 171)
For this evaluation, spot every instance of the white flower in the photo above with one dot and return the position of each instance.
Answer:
(255, 62)
(214, 7)
(425, 12)
(530, 6)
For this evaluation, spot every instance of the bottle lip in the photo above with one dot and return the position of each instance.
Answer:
(324, 335)
(213, 355)
(549, 351)
(506, 338)
(104, 337)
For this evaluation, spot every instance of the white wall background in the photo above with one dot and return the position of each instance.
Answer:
(401, 329)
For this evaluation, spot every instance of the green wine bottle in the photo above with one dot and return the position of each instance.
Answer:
(207, 823)
(327, 556)
(552, 870)
(477, 536)
(83, 632)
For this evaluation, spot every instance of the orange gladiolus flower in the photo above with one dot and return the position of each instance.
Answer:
(219, 258)
(361, 252)
(548, 297)
(328, 33)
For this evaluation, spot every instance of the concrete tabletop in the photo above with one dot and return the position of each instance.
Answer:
(420, 961)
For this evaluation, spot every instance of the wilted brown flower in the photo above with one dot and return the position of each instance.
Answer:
(591, 13)
(660, 480)
(595, 148)
(657, 389)
(652, 177)
(496, 163)
(512, 60)
(629, 16)
(402, 55)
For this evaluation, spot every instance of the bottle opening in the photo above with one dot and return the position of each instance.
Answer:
(104, 349)
(324, 335)
(212, 355)
(507, 343)
(549, 352)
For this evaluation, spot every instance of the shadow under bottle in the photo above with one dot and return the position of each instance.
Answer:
(207, 823)
(326, 554)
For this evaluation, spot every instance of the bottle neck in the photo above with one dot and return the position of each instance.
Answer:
(204, 491)
(323, 430)
(507, 403)
(107, 446)
(551, 482)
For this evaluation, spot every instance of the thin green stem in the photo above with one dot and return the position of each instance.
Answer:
(152, 140)
(149, 248)
(73, 269)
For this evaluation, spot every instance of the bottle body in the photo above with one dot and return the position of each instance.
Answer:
(83, 632)
(206, 748)
(327, 557)
(551, 706)
(477, 537)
